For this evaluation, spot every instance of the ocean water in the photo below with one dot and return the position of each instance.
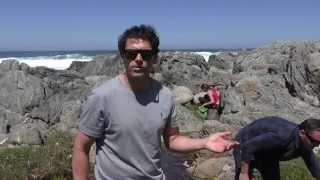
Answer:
(62, 59)
(53, 59)
(206, 54)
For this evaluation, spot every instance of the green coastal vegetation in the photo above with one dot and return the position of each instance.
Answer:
(51, 161)
(293, 170)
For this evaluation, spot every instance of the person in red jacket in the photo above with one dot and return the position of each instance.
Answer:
(212, 94)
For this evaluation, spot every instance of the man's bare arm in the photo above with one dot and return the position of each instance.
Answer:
(244, 174)
(80, 157)
(215, 142)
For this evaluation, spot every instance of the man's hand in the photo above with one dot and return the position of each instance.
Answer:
(217, 142)
(244, 176)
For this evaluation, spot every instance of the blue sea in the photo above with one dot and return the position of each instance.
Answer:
(62, 59)
(52, 59)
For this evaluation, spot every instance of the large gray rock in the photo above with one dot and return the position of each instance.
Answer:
(294, 62)
(223, 61)
(37, 96)
(182, 95)
(183, 70)
(58, 88)
(19, 90)
(213, 168)
(188, 122)
(28, 133)
(108, 65)
(221, 79)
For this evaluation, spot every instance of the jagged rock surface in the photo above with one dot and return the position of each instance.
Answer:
(280, 79)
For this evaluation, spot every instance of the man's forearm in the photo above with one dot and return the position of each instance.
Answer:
(80, 165)
(185, 144)
(215, 142)
(244, 173)
(312, 163)
(244, 167)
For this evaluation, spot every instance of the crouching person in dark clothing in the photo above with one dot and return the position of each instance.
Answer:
(266, 141)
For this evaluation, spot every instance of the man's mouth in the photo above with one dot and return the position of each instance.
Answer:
(137, 68)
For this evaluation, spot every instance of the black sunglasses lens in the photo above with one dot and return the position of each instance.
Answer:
(131, 54)
(145, 54)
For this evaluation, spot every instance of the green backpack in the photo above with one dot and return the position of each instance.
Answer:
(203, 112)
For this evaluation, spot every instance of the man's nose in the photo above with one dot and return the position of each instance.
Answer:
(138, 57)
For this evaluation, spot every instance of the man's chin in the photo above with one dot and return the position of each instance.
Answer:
(138, 75)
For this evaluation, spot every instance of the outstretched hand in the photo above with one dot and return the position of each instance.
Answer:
(217, 142)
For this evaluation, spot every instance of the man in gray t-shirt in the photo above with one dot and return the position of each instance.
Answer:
(127, 115)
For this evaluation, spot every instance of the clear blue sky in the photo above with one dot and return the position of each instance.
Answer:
(96, 24)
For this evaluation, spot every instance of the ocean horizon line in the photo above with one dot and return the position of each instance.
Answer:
(113, 50)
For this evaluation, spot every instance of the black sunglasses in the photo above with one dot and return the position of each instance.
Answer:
(146, 54)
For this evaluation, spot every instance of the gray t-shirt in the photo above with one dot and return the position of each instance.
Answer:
(127, 127)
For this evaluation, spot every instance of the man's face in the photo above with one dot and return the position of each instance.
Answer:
(314, 137)
(138, 57)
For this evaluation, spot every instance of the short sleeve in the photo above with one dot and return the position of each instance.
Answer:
(92, 118)
(172, 120)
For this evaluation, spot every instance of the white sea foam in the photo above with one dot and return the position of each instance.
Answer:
(206, 54)
(58, 62)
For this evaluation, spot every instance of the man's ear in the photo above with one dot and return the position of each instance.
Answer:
(302, 132)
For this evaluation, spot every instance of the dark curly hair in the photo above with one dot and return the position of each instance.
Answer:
(145, 32)
(310, 125)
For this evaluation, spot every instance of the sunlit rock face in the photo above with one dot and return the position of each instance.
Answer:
(279, 79)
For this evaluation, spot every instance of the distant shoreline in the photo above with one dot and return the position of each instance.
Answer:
(113, 50)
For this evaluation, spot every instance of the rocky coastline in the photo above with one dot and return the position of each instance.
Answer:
(279, 79)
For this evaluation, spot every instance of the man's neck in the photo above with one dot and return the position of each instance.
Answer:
(135, 84)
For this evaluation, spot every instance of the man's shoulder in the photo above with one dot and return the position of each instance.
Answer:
(105, 87)
(272, 120)
(271, 124)
(278, 125)
(165, 91)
